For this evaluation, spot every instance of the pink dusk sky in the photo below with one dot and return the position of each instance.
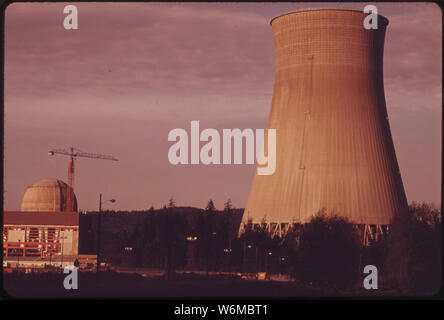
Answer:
(134, 71)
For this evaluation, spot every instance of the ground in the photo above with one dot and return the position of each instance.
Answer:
(113, 284)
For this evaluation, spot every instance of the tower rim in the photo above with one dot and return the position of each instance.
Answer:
(383, 18)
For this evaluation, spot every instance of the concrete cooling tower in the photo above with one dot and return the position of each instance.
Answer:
(333, 140)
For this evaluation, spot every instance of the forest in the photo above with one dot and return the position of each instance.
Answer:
(326, 252)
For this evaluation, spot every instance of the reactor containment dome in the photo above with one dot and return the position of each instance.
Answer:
(47, 195)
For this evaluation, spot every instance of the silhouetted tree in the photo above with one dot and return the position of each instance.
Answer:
(210, 208)
(136, 242)
(254, 239)
(414, 250)
(171, 203)
(228, 206)
(229, 233)
(171, 229)
(329, 252)
(289, 250)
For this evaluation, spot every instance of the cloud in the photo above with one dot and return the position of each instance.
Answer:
(413, 59)
(133, 48)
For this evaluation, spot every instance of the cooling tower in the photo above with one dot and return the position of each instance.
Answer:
(333, 140)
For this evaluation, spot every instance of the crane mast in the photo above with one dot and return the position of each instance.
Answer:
(73, 153)
(70, 189)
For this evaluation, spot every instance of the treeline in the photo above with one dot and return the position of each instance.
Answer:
(327, 252)
(152, 237)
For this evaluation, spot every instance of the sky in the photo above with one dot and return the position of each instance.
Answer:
(132, 72)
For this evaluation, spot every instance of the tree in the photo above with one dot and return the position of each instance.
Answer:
(136, 242)
(255, 240)
(206, 233)
(329, 252)
(228, 206)
(171, 203)
(210, 206)
(171, 230)
(228, 228)
(289, 250)
(414, 250)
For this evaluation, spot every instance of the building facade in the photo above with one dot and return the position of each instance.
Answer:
(39, 238)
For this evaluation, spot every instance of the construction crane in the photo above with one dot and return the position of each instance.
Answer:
(73, 153)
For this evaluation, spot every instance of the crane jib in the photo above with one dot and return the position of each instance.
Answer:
(82, 154)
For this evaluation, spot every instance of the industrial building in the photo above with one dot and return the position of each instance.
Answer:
(43, 233)
(334, 146)
(46, 230)
(35, 239)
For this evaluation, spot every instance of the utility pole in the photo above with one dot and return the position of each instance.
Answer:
(63, 244)
(18, 256)
(99, 230)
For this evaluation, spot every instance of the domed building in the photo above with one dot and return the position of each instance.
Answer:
(47, 195)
